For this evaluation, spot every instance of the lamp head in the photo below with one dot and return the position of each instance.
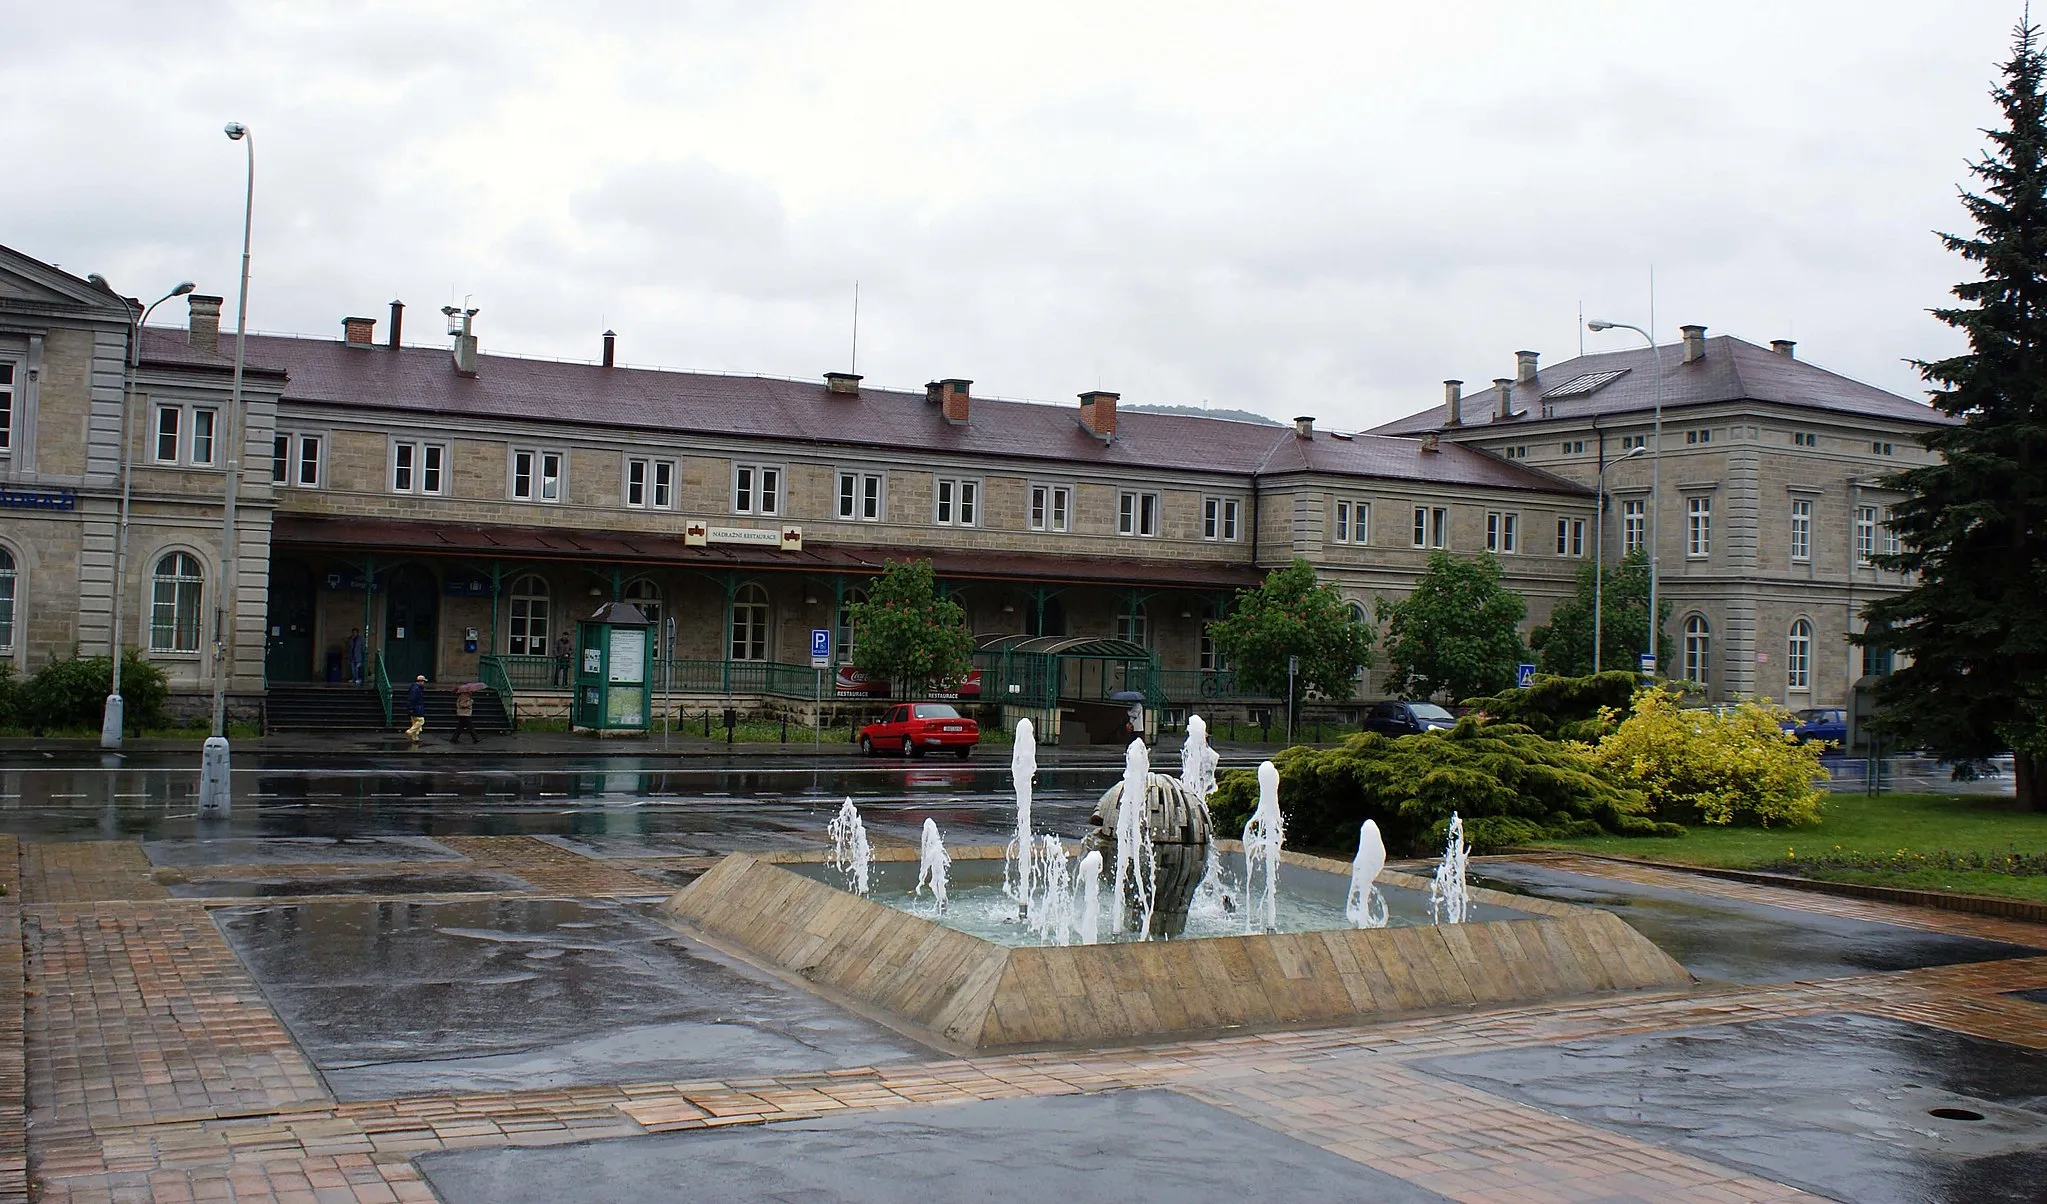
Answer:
(1636, 451)
(1597, 325)
(236, 130)
(184, 286)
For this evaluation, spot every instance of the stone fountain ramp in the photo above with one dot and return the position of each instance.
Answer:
(966, 993)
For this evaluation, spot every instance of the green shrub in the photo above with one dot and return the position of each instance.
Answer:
(10, 696)
(1509, 784)
(1563, 708)
(73, 693)
(1696, 766)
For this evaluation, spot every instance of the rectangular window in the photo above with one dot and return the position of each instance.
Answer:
(1889, 533)
(664, 484)
(1137, 514)
(1880, 448)
(1698, 526)
(280, 459)
(860, 497)
(1430, 526)
(1051, 506)
(418, 467)
(432, 467)
(1572, 447)
(1865, 533)
(1804, 439)
(402, 466)
(956, 502)
(1502, 532)
(1570, 537)
(1342, 534)
(309, 461)
(167, 421)
(1630, 443)
(1634, 528)
(756, 489)
(550, 476)
(1801, 530)
(6, 407)
(636, 473)
(1519, 452)
(522, 478)
(1219, 518)
(1699, 436)
(202, 434)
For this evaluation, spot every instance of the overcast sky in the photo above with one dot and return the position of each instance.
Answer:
(1292, 208)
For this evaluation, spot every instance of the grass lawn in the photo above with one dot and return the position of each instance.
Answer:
(1854, 825)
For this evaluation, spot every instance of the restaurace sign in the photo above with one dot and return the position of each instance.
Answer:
(697, 534)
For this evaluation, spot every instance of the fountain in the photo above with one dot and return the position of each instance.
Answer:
(1051, 912)
(1264, 834)
(1449, 896)
(1023, 769)
(851, 854)
(932, 864)
(1198, 760)
(1090, 873)
(1365, 906)
(1160, 847)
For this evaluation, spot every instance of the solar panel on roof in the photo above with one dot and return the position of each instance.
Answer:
(1586, 385)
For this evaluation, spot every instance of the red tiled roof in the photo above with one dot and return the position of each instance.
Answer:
(167, 347)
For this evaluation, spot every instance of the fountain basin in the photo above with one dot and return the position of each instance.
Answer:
(961, 992)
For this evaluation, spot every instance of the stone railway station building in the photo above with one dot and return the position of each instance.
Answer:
(466, 509)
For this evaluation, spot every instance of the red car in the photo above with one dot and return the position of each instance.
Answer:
(913, 728)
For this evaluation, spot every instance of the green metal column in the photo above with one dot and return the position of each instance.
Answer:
(369, 590)
(497, 594)
(731, 594)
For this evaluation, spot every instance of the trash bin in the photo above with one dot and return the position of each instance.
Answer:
(333, 666)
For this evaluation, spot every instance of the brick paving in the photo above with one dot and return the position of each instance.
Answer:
(155, 1070)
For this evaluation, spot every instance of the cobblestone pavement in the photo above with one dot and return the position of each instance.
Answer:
(143, 1062)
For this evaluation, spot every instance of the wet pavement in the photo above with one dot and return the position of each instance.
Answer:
(363, 884)
(1127, 1146)
(396, 998)
(1859, 1108)
(1726, 940)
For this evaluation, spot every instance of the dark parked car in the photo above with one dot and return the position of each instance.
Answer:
(1407, 718)
(1829, 725)
(912, 728)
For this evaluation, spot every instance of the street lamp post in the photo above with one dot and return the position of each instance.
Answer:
(215, 794)
(111, 724)
(1655, 485)
(1599, 554)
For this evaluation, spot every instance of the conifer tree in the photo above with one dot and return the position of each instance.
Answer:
(1973, 528)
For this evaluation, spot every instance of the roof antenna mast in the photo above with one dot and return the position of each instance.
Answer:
(855, 365)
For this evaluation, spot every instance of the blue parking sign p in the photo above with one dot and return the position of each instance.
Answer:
(821, 642)
(1524, 675)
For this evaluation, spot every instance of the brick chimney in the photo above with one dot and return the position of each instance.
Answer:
(1524, 367)
(358, 332)
(1695, 343)
(1506, 387)
(1453, 403)
(205, 322)
(1432, 442)
(1784, 347)
(1098, 413)
(1304, 427)
(847, 383)
(953, 398)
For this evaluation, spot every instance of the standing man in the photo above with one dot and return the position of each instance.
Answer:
(415, 704)
(465, 717)
(356, 652)
(562, 649)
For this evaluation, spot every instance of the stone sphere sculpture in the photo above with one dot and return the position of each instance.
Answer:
(1177, 825)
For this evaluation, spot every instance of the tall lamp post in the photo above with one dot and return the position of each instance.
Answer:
(215, 794)
(1655, 485)
(1599, 555)
(111, 724)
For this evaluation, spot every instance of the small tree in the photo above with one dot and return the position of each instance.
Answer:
(1702, 766)
(1293, 615)
(1564, 645)
(1457, 632)
(907, 635)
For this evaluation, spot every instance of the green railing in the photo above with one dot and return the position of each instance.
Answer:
(384, 690)
(680, 676)
(490, 670)
(1182, 687)
(530, 672)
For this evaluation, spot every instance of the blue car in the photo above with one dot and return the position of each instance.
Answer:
(1828, 725)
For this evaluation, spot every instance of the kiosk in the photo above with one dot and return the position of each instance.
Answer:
(614, 656)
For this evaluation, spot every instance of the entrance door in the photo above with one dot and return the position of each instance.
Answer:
(288, 631)
(410, 599)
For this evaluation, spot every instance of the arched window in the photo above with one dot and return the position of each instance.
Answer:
(750, 623)
(174, 603)
(1698, 647)
(1134, 625)
(531, 610)
(646, 595)
(853, 598)
(1798, 657)
(6, 601)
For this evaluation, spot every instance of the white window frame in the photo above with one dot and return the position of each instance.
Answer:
(1698, 527)
(1631, 442)
(1798, 655)
(209, 418)
(1887, 535)
(11, 595)
(956, 501)
(758, 488)
(1634, 524)
(1219, 519)
(537, 475)
(424, 465)
(862, 495)
(1050, 507)
(158, 435)
(1570, 536)
(295, 444)
(1865, 534)
(529, 629)
(1801, 530)
(1431, 526)
(656, 483)
(1503, 532)
(1696, 654)
(184, 436)
(9, 369)
(1137, 513)
(195, 578)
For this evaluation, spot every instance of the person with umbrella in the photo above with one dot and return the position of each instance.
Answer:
(465, 711)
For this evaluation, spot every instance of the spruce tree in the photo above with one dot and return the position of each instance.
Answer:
(1973, 528)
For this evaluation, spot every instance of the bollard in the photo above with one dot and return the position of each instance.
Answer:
(785, 729)
(707, 724)
(110, 725)
(216, 797)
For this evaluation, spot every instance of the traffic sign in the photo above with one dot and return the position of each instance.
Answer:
(1648, 664)
(820, 647)
(1524, 675)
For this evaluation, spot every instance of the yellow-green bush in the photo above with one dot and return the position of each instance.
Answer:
(1698, 766)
